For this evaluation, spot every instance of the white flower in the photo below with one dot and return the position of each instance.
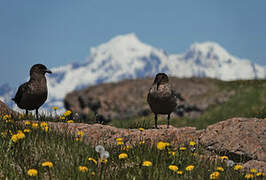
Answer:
(99, 149)
(230, 163)
(104, 155)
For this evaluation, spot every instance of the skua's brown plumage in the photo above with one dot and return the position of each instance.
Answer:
(161, 98)
(32, 94)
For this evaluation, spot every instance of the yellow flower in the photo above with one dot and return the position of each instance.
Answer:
(179, 172)
(4, 133)
(80, 133)
(224, 158)
(126, 148)
(44, 124)
(46, 128)
(35, 125)
(238, 167)
(92, 159)
(83, 168)
(27, 130)
(161, 145)
(15, 138)
(119, 142)
(260, 174)
(119, 139)
(182, 148)
(147, 163)
(142, 142)
(173, 167)
(104, 161)
(214, 175)
(6, 117)
(249, 176)
(190, 168)
(55, 108)
(77, 139)
(62, 117)
(70, 121)
(93, 173)
(27, 122)
(220, 169)
(141, 129)
(253, 170)
(47, 164)
(32, 172)
(192, 143)
(123, 156)
(67, 113)
(173, 153)
(20, 135)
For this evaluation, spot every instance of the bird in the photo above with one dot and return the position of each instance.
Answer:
(32, 94)
(161, 98)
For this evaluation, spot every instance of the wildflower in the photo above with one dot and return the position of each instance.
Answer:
(214, 175)
(249, 176)
(192, 143)
(83, 169)
(47, 164)
(14, 138)
(70, 121)
(224, 157)
(141, 129)
(126, 148)
(190, 168)
(27, 130)
(123, 156)
(32, 172)
(230, 163)
(161, 145)
(35, 125)
(93, 173)
(20, 135)
(179, 172)
(44, 124)
(77, 139)
(27, 122)
(220, 169)
(62, 117)
(104, 155)
(194, 154)
(21, 116)
(182, 148)
(55, 108)
(6, 117)
(80, 133)
(119, 142)
(119, 139)
(104, 161)
(173, 167)
(147, 163)
(46, 128)
(67, 113)
(253, 170)
(173, 153)
(260, 174)
(92, 159)
(238, 167)
(141, 142)
(99, 149)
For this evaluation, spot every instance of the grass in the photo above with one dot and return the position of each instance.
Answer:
(249, 101)
(66, 153)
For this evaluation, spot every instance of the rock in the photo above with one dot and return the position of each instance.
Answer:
(239, 138)
(5, 110)
(127, 98)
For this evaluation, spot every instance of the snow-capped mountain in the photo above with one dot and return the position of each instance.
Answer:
(125, 57)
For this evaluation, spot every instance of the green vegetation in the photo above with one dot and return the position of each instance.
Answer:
(50, 155)
(249, 100)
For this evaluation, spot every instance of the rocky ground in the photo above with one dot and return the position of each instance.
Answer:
(127, 98)
(241, 139)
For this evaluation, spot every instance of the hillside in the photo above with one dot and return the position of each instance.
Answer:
(206, 101)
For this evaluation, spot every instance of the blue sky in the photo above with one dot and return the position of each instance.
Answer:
(57, 32)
